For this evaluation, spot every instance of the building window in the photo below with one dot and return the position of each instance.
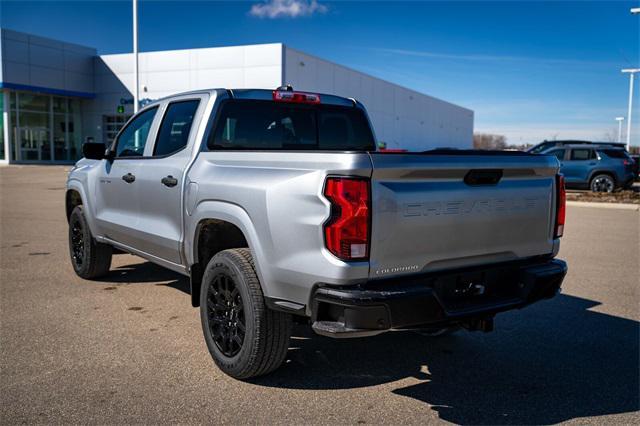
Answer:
(111, 125)
(44, 128)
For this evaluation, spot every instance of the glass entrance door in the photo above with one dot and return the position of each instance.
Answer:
(34, 137)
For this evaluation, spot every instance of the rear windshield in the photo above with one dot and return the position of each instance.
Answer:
(615, 153)
(267, 125)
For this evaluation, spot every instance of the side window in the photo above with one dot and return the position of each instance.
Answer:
(176, 125)
(615, 153)
(132, 140)
(559, 154)
(581, 154)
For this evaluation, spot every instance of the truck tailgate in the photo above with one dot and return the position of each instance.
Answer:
(434, 212)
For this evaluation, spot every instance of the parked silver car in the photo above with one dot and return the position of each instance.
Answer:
(276, 204)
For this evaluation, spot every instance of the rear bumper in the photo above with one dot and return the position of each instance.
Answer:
(433, 300)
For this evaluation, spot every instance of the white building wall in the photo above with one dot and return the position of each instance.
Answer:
(168, 72)
(401, 117)
(172, 71)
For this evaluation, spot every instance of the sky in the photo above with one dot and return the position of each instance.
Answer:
(529, 70)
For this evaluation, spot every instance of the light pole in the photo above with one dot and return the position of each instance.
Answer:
(631, 72)
(619, 120)
(136, 78)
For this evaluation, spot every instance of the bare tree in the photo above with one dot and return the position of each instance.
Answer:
(489, 142)
(610, 136)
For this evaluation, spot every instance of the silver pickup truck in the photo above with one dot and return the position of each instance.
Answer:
(278, 206)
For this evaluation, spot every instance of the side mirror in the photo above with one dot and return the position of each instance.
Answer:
(94, 151)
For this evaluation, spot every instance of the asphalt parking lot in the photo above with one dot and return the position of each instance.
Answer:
(129, 349)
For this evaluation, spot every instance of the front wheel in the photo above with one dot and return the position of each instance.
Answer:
(245, 338)
(89, 258)
(602, 183)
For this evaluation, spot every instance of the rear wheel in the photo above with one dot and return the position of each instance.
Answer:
(89, 258)
(245, 338)
(602, 183)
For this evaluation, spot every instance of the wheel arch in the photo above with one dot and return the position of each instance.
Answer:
(72, 199)
(216, 226)
(603, 172)
(75, 195)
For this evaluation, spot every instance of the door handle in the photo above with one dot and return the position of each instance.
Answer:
(169, 181)
(592, 164)
(129, 178)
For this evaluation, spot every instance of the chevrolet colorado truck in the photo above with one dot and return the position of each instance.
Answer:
(278, 207)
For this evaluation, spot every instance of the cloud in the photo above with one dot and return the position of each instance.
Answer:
(274, 9)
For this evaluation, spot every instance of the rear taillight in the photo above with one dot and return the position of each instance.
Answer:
(627, 162)
(561, 209)
(346, 233)
(295, 97)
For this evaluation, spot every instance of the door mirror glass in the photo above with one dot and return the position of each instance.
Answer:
(93, 150)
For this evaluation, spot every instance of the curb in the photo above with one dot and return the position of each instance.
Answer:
(618, 206)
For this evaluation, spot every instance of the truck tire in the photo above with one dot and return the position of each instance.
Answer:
(89, 258)
(602, 183)
(245, 338)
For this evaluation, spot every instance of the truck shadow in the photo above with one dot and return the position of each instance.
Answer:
(552, 362)
(144, 273)
(555, 361)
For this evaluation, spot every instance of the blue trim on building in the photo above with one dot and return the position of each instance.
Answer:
(47, 90)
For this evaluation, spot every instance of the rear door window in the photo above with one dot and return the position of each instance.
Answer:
(175, 128)
(582, 154)
(266, 125)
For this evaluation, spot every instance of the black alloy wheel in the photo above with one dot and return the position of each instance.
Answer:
(89, 258)
(77, 242)
(603, 183)
(225, 312)
(244, 337)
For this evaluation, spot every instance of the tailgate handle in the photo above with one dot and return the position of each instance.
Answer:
(483, 177)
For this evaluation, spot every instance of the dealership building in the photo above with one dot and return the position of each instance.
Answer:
(55, 95)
